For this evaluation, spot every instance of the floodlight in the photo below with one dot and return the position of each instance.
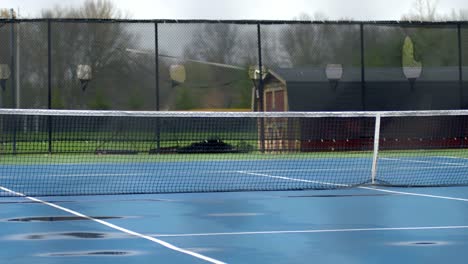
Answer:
(412, 73)
(254, 72)
(4, 75)
(177, 73)
(84, 74)
(334, 74)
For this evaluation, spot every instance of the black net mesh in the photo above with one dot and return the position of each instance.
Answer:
(205, 65)
(213, 65)
(433, 146)
(81, 153)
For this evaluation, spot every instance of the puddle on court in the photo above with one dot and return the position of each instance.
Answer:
(234, 214)
(59, 218)
(421, 243)
(100, 253)
(67, 235)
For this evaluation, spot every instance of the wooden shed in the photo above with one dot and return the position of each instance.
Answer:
(385, 89)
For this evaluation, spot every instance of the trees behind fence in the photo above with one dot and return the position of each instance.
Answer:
(131, 62)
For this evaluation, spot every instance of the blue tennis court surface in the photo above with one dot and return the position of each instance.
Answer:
(345, 226)
(230, 175)
(367, 224)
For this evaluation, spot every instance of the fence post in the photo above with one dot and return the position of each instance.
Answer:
(460, 65)
(260, 89)
(13, 76)
(260, 69)
(13, 60)
(158, 108)
(156, 61)
(363, 72)
(49, 84)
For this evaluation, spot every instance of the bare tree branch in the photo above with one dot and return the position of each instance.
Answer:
(99, 9)
(423, 10)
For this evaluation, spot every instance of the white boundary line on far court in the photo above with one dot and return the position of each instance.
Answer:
(292, 179)
(115, 227)
(452, 157)
(426, 162)
(228, 172)
(360, 187)
(345, 230)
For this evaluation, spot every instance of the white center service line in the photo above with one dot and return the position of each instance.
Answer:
(292, 179)
(115, 227)
(314, 231)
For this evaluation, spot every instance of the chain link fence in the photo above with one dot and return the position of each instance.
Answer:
(233, 65)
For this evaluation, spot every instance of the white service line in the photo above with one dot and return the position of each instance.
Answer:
(116, 174)
(423, 161)
(451, 157)
(316, 169)
(353, 169)
(420, 168)
(94, 175)
(292, 179)
(121, 229)
(226, 172)
(360, 187)
(415, 194)
(314, 231)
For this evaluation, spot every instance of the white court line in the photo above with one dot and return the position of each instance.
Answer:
(427, 162)
(235, 171)
(354, 169)
(299, 170)
(121, 229)
(93, 175)
(293, 179)
(314, 231)
(115, 174)
(360, 187)
(416, 194)
(451, 157)
(421, 168)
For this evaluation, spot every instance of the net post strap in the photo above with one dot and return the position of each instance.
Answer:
(376, 147)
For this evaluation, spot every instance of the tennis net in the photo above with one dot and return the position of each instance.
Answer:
(62, 152)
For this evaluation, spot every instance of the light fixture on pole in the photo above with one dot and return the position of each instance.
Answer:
(334, 74)
(177, 74)
(411, 68)
(4, 75)
(254, 72)
(84, 74)
(254, 75)
(412, 74)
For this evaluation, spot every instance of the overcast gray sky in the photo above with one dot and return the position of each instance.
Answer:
(246, 9)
